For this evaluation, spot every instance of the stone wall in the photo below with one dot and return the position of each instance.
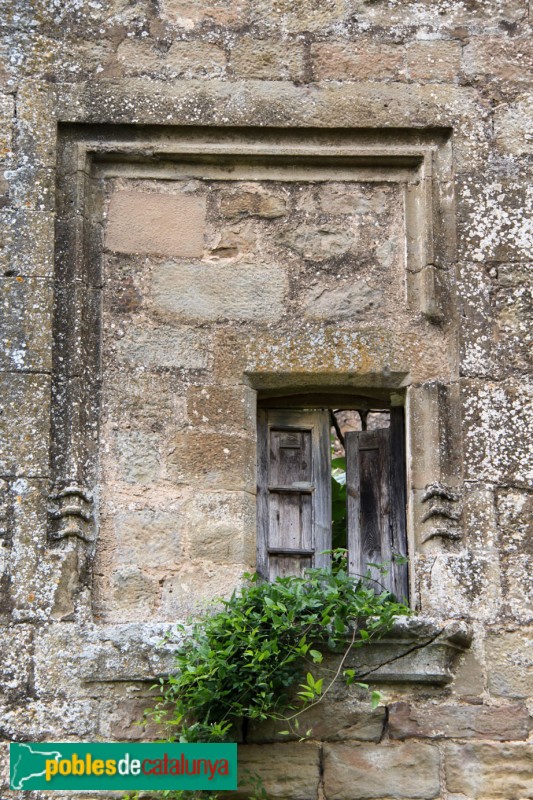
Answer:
(206, 203)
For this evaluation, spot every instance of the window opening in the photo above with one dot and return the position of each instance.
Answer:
(332, 477)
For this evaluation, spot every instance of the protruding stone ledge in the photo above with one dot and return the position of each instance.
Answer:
(415, 650)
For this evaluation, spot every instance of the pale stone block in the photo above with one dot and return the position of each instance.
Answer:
(163, 224)
(202, 59)
(490, 771)
(148, 539)
(377, 771)
(133, 595)
(329, 721)
(287, 770)
(434, 61)
(501, 58)
(459, 722)
(16, 654)
(362, 60)
(24, 424)
(187, 14)
(209, 292)
(498, 428)
(222, 409)
(267, 59)
(509, 657)
(252, 202)
(196, 586)
(138, 456)
(27, 321)
(221, 527)
(347, 301)
(513, 124)
(182, 348)
(514, 510)
(212, 461)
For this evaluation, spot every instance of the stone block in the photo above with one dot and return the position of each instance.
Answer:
(490, 223)
(378, 771)
(161, 224)
(517, 587)
(490, 771)
(137, 455)
(143, 402)
(26, 242)
(181, 348)
(208, 292)
(319, 243)
(497, 430)
(24, 424)
(500, 58)
(7, 114)
(331, 720)
(16, 660)
(509, 656)
(267, 59)
(148, 539)
(479, 517)
(515, 521)
(132, 595)
(469, 683)
(187, 14)
(328, 300)
(504, 723)
(27, 324)
(477, 326)
(252, 202)
(196, 587)
(513, 311)
(513, 123)
(220, 527)
(212, 461)
(287, 770)
(434, 61)
(120, 720)
(222, 409)
(195, 59)
(118, 654)
(359, 60)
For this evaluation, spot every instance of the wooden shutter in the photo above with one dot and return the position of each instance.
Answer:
(294, 491)
(375, 478)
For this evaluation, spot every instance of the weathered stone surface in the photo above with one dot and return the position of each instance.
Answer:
(132, 595)
(222, 408)
(499, 58)
(340, 302)
(252, 202)
(359, 60)
(490, 771)
(26, 242)
(515, 521)
(16, 654)
(459, 722)
(265, 59)
(406, 770)
(209, 460)
(318, 245)
(497, 426)
(512, 125)
(165, 224)
(434, 61)
(178, 348)
(181, 60)
(493, 216)
(196, 586)
(329, 721)
(209, 292)
(24, 424)
(221, 527)
(149, 539)
(509, 657)
(26, 312)
(186, 15)
(298, 778)
(138, 457)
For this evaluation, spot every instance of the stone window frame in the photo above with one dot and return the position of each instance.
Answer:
(419, 160)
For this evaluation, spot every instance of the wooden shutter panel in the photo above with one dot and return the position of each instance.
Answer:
(375, 478)
(294, 491)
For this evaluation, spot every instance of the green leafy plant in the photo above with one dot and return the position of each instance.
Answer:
(253, 658)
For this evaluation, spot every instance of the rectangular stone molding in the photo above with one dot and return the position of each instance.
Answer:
(192, 262)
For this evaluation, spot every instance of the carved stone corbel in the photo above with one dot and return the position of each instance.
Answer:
(72, 514)
(444, 508)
